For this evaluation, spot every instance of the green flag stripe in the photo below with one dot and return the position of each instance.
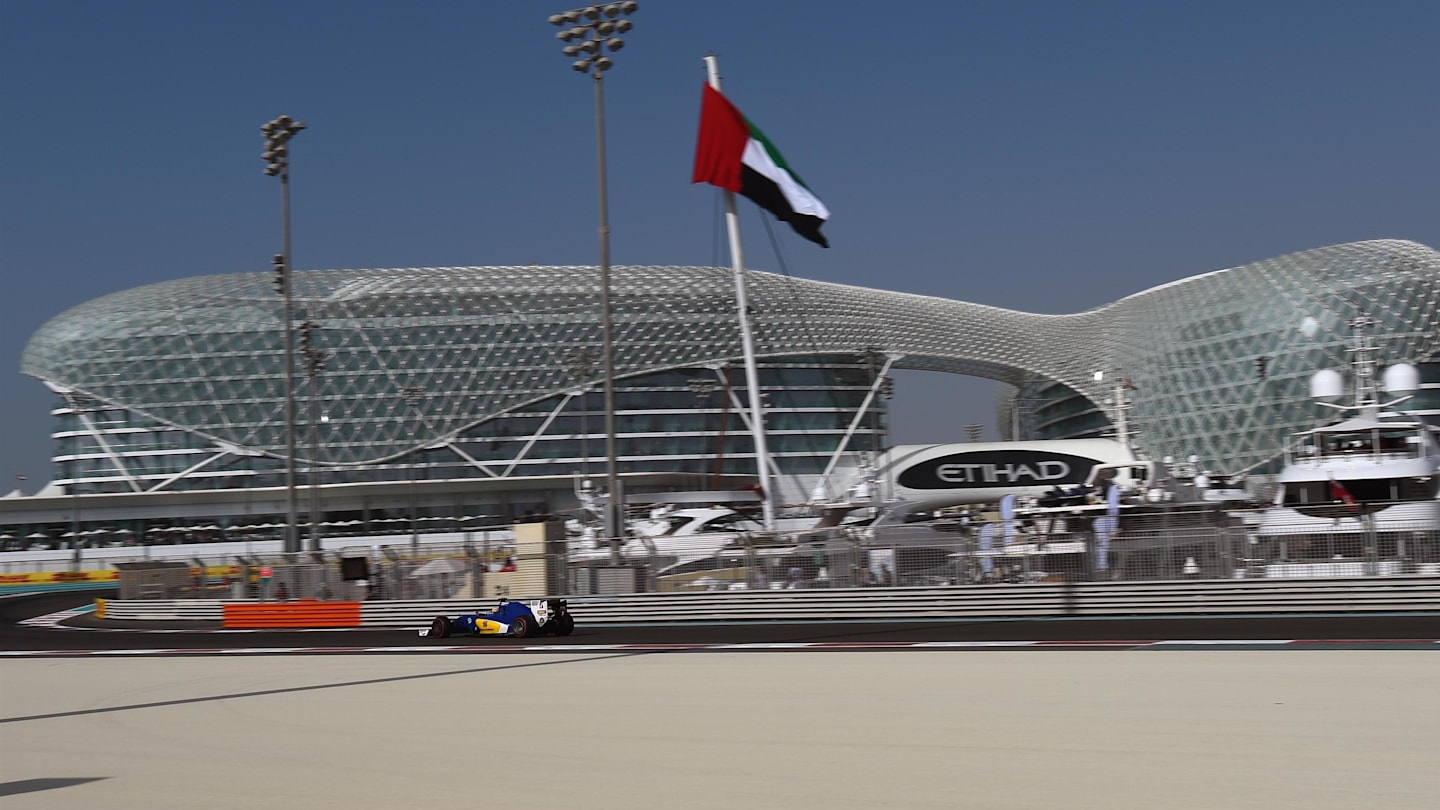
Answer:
(774, 153)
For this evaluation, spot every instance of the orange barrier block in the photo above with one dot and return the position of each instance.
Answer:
(305, 613)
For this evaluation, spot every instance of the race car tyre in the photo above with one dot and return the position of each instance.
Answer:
(564, 624)
(520, 628)
(440, 627)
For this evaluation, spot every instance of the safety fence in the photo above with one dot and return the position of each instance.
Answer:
(1190, 543)
(1408, 594)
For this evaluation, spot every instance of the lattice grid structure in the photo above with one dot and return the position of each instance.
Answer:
(423, 355)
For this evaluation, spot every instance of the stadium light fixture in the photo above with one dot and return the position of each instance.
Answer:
(315, 358)
(588, 41)
(278, 133)
(414, 396)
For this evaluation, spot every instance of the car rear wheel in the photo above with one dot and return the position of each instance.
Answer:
(564, 624)
(440, 627)
(520, 628)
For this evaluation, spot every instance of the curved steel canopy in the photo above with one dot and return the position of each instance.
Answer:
(420, 355)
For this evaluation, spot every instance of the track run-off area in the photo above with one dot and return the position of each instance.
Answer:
(1313, 712)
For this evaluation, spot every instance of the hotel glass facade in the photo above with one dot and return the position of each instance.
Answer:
(493, 372)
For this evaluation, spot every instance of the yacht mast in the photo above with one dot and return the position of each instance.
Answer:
(742, 305)
(1362, 361)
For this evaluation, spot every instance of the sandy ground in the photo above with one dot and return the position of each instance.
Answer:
(1052, 729)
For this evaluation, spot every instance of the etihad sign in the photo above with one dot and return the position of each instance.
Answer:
(1039, 473)
(997, 468)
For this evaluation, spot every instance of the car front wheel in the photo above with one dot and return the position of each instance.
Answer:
(440, 627)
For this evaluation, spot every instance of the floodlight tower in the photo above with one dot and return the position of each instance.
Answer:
(315, 358)
(589, 32)
(278, 133)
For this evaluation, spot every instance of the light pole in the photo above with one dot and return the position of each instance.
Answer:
(314, 363)
(75, 403)
(590, 31)
(278, 133)
(581, 360)
(1121, 400)
(413, 395)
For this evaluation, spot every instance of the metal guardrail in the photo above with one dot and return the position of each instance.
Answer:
(163, 610)
(1418, 594)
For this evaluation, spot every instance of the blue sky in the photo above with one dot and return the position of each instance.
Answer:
(1044, 156)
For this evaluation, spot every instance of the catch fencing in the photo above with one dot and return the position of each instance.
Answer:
(1289, 596)
(1193, 542)
(1201, 543)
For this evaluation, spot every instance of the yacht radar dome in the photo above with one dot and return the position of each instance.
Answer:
(1327, 385)
(1401, 379)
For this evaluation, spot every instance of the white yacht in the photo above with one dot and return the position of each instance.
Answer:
(1375, 467)
(669, 536)
(1366, 485)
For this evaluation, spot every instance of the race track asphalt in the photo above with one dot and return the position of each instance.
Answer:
(232, 720)
(87, 633)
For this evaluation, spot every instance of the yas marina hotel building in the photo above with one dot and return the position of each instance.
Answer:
(474, 393)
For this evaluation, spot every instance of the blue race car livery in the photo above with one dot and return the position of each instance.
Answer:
(510, 618)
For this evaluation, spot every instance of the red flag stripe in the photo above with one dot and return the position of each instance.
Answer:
(721, 145)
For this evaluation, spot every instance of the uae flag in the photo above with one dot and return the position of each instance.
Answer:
(734, 154)
(1341, 493)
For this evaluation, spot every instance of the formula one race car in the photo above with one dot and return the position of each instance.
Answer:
(517, 619)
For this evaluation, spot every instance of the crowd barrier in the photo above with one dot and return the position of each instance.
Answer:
(1398, 594)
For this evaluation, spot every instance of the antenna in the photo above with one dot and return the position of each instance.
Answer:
(1327, 386)
(1362, 362)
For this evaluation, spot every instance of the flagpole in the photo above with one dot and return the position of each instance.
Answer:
(742, 304)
